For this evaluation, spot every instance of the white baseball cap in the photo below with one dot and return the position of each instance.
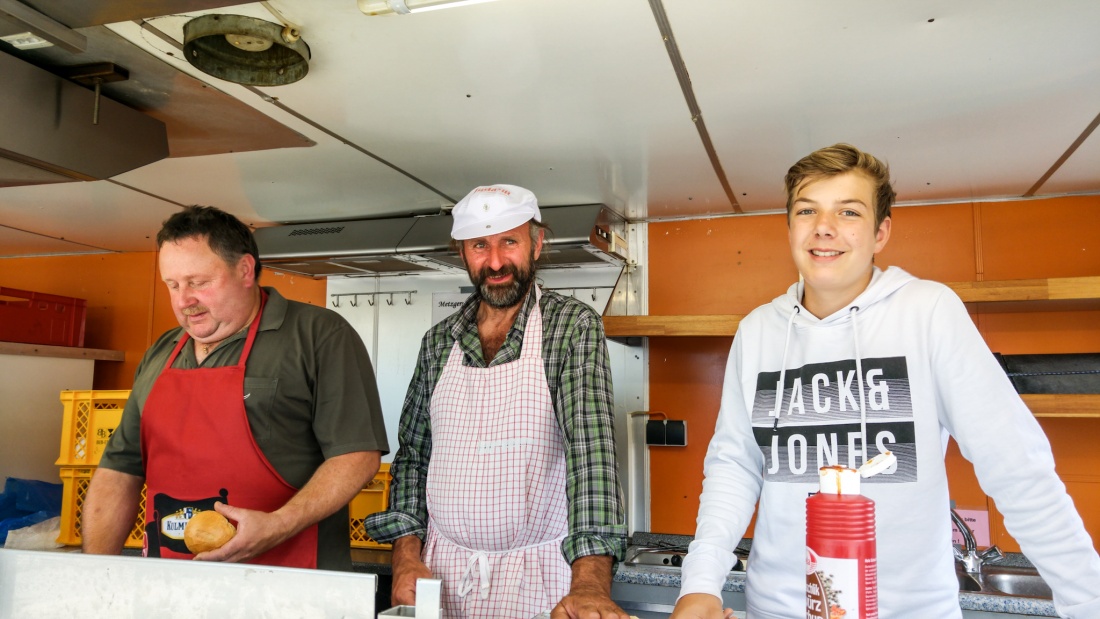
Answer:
(492, 209)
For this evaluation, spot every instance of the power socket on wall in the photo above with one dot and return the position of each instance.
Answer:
(666, 432)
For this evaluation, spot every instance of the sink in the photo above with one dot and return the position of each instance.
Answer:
(1004, 580)
(668, 557)
(656, 556)
(1016, 581)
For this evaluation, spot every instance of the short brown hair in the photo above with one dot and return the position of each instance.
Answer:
(839, 159)
(226, 235)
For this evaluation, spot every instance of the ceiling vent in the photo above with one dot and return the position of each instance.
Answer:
(56, 131)
(580, 236)
(246, 50)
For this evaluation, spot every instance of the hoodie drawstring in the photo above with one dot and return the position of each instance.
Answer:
(853, 312)
(783, 368)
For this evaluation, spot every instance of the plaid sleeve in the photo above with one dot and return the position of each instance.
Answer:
(597, 519)
(408, 511)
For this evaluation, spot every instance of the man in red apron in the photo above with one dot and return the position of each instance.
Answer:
(505, 484)
(260, 408)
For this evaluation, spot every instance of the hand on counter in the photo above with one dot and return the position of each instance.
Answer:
(257, 532)
(700, 606)
(590, 593)
(587, 605)
(407, 567)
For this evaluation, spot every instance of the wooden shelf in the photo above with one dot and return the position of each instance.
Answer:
(673, 326)
(63, 352)
(1052, 289)
(1011, 295)
(1085, 405)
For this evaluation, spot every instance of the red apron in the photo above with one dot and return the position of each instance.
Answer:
(198, 448)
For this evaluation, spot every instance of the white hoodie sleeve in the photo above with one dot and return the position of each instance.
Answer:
(1012, 458)
(732, 480)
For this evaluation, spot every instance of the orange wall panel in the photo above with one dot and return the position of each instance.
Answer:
(918, 236)
(1041, 238)
(685, 378)
(718, 266)
(1034, 333)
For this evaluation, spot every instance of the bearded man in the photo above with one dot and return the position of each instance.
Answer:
(505, 484)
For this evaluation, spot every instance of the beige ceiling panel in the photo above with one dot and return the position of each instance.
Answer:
(965, 99)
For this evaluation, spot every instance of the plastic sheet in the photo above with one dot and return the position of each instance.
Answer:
(27, 502)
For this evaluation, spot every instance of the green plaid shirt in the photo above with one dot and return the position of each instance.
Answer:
(579, 376)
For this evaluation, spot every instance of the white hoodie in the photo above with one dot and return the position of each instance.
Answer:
(905, 361)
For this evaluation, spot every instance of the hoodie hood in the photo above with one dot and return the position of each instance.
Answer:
(882, 285)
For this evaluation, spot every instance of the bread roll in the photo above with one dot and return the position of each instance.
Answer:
(207, 530)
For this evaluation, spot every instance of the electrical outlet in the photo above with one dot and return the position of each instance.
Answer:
(666, 432)
(676, 433)
(655, 432)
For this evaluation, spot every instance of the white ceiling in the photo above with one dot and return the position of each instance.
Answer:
(579, 101)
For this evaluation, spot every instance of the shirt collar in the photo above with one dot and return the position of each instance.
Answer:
(468, 313)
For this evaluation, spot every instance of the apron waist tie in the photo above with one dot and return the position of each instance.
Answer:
(477, 567)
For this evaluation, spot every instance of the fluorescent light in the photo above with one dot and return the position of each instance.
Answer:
(404, 7)
(26, 40)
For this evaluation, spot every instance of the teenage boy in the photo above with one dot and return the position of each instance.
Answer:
(865, 361)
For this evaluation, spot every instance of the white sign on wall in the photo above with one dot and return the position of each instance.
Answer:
(446, 303)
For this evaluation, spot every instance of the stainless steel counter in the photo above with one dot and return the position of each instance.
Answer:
(47, 584)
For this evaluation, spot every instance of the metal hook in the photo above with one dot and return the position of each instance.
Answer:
(593, 294)
(370, 300)
(355, 300)
(335, 301)
(409, 298)
(389, 301)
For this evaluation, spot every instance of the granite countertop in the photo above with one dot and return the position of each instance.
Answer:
(735, 581)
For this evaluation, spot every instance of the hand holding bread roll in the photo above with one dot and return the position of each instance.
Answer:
(207, 530)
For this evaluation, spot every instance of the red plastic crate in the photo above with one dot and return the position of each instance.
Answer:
(39, 318)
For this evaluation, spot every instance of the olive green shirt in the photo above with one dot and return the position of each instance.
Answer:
(312, 396)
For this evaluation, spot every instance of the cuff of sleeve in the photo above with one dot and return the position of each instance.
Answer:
(703, 572)
(576, 546)
(385, 527)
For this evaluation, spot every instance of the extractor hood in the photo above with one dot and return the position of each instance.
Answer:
(583, 235)
(54, 132)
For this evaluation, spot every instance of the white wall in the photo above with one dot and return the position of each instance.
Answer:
(31, 412)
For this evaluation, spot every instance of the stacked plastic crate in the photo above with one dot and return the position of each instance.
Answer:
(90, 417)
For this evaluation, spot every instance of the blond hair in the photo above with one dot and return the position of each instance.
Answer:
(839, 159)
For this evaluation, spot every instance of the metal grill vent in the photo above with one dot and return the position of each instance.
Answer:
(305, 231)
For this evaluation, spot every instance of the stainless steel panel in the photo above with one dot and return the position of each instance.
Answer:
(48, 124)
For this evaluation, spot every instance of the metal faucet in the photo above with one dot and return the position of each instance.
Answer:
(969, 556)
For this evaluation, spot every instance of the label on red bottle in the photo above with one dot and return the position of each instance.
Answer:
(835, 589)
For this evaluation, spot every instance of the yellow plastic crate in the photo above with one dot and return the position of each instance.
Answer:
(90, 417)
(371, 499)
(75, 481)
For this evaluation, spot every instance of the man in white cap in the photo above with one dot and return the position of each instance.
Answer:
(505, 484)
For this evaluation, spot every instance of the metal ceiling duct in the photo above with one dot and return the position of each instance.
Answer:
(580, 236)
(48, 134)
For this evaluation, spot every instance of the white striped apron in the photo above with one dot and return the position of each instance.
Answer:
(496, 487)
